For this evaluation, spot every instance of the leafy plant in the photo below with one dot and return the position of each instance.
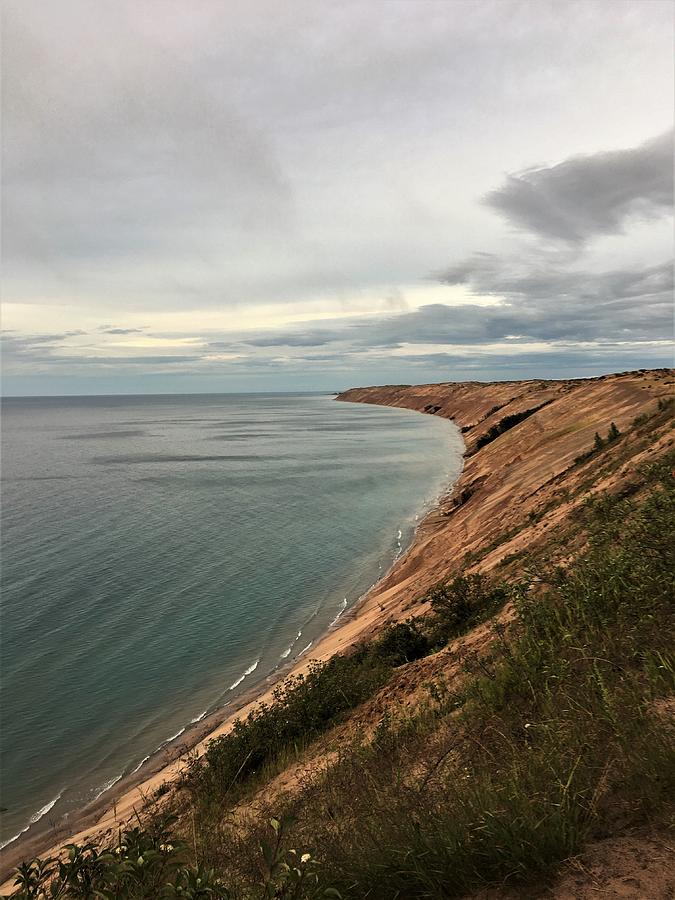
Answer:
(458, 604)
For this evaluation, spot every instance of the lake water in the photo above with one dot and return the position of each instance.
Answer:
(160, 554)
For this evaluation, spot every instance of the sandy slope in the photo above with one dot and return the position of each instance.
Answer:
(499, 488)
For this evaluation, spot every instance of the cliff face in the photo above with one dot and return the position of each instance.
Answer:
(517, 482)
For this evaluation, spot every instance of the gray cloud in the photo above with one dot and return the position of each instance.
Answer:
(184, 163)
(587, 196)
(169, 156)
(105, 330)
(315, 337)
(553, 305)
(48, 351)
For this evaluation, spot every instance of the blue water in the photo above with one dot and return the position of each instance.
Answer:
(161, 554)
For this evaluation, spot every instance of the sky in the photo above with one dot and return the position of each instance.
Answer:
(253, 196)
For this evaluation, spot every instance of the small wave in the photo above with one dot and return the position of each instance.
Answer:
(33, 819)
(399, 546)
(172, 738)
(343, 607)
(144, 760)
(199, 717)
(248, 671)
(305, 649)
(12, 839)
(107, 786)
(287, 651)
(140, 458)
(102, 435)
(45, 809)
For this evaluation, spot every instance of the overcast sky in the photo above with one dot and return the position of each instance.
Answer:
(217, 195)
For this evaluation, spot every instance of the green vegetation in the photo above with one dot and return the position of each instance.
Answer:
(548, 737)
(150, 863)
(507, 423)
(301, 709)
(600, 444)
(459, 605)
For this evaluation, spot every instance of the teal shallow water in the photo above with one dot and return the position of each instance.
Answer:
(161, 554)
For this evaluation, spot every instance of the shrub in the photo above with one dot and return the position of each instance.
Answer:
(146, 862)
(613, 433)
(401, 643)
(599, 444)
(461, 603)
(302, 708)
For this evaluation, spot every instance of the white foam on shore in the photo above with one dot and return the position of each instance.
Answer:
(45, 809)
(172, 738)
(343, 607)
(305, 649)
(144, 760)
(287, 651)
(12, 839)
(199, 717)
(33, 819)
(399, 544)
(248, 671)
(107, 786)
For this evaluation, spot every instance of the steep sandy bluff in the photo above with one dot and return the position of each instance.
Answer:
(508, 481)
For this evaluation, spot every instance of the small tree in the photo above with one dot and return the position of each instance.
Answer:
(613, 432)
(458, 604)
(401, 643)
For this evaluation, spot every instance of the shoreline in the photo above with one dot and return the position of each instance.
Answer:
(126, 796)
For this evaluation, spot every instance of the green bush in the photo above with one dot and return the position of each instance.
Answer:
(303, 708)
(146, 863)
(401, 643)
(600, 444)
(461, 603)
